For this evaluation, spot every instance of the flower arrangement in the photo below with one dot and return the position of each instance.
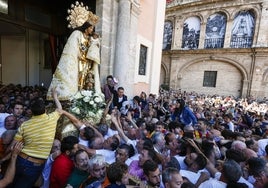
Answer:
(88, 105)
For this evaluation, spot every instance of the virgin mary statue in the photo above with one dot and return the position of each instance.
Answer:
(78, 66)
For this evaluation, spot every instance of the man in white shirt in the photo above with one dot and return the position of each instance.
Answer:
(231, 173)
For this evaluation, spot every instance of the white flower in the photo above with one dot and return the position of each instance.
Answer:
(90, 93)
(78, 95)
(86, 99)
(99, 112)
(76, 110)
(102, 95)
(97, 99)
(90, 114)
(86, 93)
(96, 94)
(108, 117)
(98, 116)
(88, 105)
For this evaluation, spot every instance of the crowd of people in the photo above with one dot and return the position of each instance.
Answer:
(172, 139)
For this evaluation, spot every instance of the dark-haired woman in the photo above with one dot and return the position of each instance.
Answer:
(183, 114)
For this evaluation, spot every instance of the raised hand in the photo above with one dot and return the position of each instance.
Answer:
(17, 148)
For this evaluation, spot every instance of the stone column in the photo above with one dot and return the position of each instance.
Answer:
(129, 79)
(228, 33)
(157, 46)
(107, 11)
(121, 63)
(245, 88)
(202, 38)
(261, 41)
(177, 38)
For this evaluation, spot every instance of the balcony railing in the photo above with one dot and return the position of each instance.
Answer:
(241, 42)
(214, 43)
(190, 43)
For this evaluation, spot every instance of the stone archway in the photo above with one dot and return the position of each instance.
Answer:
(230, 80)
(265, 76)
(163, 75)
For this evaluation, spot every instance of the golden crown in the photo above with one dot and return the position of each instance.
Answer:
(79, 14)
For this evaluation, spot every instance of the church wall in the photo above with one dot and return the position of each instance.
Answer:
(13, 59)
(151, 19)
(146, 19)
(236, 66)
(146, 24)
(23, 59)
(157, 46)
(124, 27)
(259, 86)
(35, 63)
(240, 71)
(192, 77)
(45, 73)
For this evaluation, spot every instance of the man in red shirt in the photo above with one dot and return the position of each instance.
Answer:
(63, 164)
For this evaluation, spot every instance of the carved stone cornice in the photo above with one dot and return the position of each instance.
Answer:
(180, 4)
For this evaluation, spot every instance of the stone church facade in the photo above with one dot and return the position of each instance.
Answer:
(216, 47)
(131, 43)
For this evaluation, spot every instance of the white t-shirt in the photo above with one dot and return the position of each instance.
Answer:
(212, 183)
(181, 162)
(262, 143)
(231, 126)
(133, 158)
(108, 155)
(110, 133)
(191, 176)
(136, 155)
(243, 180)
(46, 171)
(132, 142)
(82, 141)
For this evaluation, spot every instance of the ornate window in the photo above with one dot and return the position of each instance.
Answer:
(210, 78)
(243, 30)
(191, 33)
(167, 38)
(143, 59)
(215, 31)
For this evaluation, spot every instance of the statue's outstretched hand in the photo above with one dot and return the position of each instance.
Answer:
(54, 92)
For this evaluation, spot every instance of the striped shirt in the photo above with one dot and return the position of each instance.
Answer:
(38, 134)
